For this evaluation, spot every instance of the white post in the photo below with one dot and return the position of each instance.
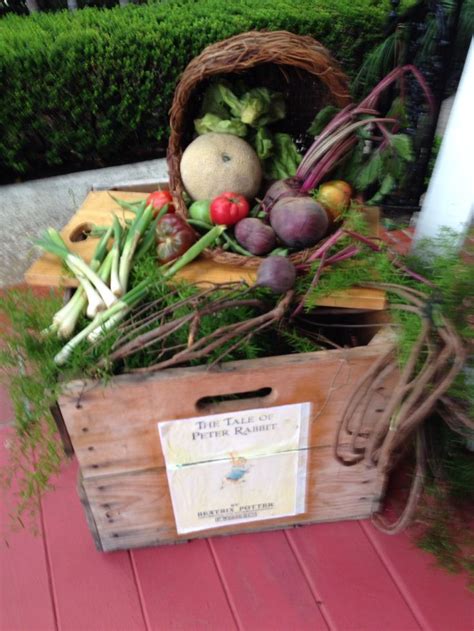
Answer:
(449, 201)
(32, 6)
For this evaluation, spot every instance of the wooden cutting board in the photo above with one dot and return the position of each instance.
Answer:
(98, 209)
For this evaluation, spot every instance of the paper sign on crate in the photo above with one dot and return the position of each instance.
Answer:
(237, 467)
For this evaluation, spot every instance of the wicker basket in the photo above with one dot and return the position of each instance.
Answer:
(297, 66)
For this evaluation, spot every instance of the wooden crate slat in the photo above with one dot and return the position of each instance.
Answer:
(134, 509)
(114, 428)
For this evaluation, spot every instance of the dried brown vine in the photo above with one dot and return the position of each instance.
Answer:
(435, 359)
(167, 321)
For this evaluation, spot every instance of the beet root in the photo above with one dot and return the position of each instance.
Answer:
(255, 236)
(277, 273)
(299, 222)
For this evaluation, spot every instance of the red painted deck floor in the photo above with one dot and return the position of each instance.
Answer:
(341, 576)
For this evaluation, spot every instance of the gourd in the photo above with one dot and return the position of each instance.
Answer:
(215, 163)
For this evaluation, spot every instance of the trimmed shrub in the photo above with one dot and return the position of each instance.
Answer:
(94, 87)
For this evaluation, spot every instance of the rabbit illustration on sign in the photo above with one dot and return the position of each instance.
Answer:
(239, 468)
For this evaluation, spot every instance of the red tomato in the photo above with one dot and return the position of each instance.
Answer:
(229, 208)
(158, 199)
(173, 237)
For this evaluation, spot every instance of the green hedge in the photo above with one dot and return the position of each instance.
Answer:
(94, 87)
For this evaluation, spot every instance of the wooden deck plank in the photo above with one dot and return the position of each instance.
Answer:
(181, 588)
(25, 596)
(440, 600)
(265, 584)
(346, 574)
(94, 591)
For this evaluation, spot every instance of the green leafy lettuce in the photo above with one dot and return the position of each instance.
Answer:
(243, 112)
(212, 122)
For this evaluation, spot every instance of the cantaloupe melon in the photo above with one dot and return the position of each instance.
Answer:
(216, 163)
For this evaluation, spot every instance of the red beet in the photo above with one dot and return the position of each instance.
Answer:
(277, 273)
(281, 189)
(255, 236)
(299, 222)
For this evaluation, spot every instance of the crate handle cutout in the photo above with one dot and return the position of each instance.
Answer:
(81, 232)
(233, 400)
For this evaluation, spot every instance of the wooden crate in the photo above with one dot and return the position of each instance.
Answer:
(112, 429)
(123, 481)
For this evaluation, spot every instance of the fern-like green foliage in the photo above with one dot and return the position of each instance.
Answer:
(439, 260)
(380, 61)
(367, 266)
(27, 368)
(447, 506)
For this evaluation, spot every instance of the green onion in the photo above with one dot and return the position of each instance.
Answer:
(199, 224)
(65, 320)
(94, 300)
(149, 238)
(122, 305)
(108, 325)
(140, 224)
(106, 267)
(106, 320)
(148, 241)
(115, 284)
(162, 212)
(131, 206)
(102, 267)
(68, 323)
(103, 272)
(101, 248)
(233, 245)
(52, 242)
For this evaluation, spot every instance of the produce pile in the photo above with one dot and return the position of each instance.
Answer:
(242, 171)
(255, 199)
